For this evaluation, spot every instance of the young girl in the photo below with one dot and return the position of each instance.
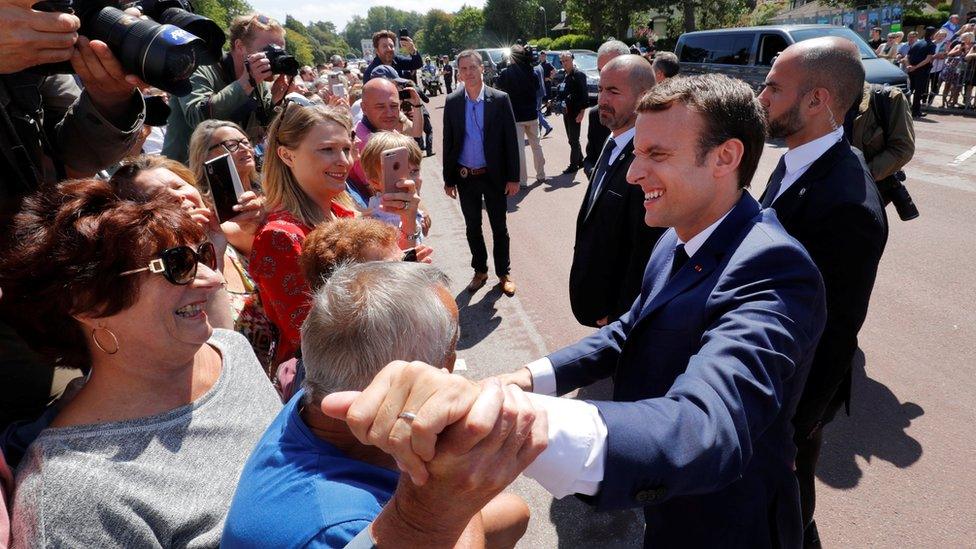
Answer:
(405, 216)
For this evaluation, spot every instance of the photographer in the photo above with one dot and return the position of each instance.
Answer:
(883, 130)
(384, 43)
(236, 89)
(50, 128)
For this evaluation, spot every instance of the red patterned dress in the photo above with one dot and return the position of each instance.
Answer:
(276, 270)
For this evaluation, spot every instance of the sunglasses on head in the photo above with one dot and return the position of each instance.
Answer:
(179, 264)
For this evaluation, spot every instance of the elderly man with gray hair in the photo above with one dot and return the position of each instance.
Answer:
(309, 481)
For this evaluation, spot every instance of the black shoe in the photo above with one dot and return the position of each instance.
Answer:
(811, 537)
(547, 133)
(571, 169)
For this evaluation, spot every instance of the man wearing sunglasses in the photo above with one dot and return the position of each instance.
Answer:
(236, 89)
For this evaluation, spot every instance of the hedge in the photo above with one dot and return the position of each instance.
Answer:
(915, 19)
(542, 43)
(575, 42)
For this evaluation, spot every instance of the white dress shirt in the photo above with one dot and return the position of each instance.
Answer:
(620, 142)
(798, 160)
(573, 462)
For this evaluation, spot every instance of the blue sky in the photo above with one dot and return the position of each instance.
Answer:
(340, 12)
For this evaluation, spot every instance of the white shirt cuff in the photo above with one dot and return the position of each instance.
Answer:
(543, 377)
(574, 461)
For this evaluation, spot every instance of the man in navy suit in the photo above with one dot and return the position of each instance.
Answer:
(824, 195)
(708, 364)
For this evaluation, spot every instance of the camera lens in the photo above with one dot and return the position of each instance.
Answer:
(198, 26)
(161, 55)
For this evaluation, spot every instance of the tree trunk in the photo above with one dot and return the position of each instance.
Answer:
(689, 13)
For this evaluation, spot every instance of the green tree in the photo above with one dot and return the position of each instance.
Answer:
(299, 46)
(435, 36)
(467, 28)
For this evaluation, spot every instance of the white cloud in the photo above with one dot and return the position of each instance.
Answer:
(340, 12)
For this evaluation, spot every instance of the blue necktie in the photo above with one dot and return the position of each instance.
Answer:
(601, 171)
(775, 181)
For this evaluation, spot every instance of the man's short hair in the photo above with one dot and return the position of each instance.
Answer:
(729, 110)
(244, 27)
(370, 314)
(667, 63)
(613, 46)
(838, 69)
(379, 35)
(570, 55)
(379, 142)
(472, 54)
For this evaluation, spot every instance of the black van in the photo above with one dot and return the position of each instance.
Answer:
(747, 53)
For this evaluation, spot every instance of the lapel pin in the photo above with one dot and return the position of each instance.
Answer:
(698, 268)
(803, 191)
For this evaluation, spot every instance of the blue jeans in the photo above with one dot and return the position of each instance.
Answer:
(542, 119)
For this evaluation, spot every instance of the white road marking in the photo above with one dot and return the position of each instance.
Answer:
(962, 157)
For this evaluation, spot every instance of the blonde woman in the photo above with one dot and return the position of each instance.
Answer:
(304, 180)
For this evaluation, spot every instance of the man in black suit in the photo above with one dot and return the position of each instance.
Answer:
(572, 91)
(597, 133)
(481, 161)
(612, 241)
(824, 195)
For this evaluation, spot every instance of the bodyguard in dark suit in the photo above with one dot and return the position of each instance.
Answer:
(596, 132)
(573, 92)
(710, 360)
(612, 240)
(824, 195)
(481, 163)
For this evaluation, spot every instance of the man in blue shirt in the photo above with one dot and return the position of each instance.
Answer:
(918, 66)
(309, 482)
(481, 162)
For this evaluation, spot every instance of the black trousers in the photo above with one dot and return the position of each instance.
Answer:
(919, 80)
(471, 192)
(573, 134)
(448, 83)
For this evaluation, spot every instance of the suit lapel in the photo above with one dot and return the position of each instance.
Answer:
(792, 198)
(703, 262)
(489, 113)
(608, 178)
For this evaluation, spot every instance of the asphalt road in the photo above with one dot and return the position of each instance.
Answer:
(897, 472)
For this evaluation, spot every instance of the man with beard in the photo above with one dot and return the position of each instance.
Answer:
(384, 43)
(825, 197)
(612, 241)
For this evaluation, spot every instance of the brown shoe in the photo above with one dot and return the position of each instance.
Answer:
(507, 284)
(477, 281)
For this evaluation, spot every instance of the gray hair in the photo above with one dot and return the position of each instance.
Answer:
(613, 46)
(368, 315)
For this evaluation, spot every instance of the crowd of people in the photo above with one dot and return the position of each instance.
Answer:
(280, 374)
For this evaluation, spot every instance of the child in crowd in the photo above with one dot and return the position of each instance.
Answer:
(408, 218)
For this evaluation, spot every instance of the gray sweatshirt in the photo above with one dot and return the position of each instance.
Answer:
(160, 481)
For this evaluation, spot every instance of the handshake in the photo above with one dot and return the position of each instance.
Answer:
(461, 443)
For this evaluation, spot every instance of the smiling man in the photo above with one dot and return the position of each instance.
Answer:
(709, 362)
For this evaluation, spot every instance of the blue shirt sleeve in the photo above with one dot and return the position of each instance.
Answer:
(337, 535)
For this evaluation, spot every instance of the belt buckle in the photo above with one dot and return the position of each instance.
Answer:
(464, 172)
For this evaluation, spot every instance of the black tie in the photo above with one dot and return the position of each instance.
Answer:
(775, 181)
(601, 170)
(680, 258)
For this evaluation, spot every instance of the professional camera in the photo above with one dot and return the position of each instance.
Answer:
(898, 195)
(282, 62)
(163, 50)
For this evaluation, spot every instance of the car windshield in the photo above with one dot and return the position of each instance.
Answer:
(806, 34)
(497, 54)
(585, 61)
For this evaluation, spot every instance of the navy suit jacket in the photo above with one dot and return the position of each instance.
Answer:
(708, 367)
(498, 137)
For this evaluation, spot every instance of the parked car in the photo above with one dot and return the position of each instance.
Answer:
(494, 59)
(585, 61)
(747, 53)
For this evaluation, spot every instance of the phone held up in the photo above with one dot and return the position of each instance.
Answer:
(225, 185)
(395, 168)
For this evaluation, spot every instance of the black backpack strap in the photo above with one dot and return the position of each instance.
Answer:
(881, 106)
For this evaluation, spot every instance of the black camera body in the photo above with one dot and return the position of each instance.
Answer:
(893, 190)
(163, 49)
(282, 62)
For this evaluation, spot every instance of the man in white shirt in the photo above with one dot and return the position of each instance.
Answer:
(824, 195)
(708, 363)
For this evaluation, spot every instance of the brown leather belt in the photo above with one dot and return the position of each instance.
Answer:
(466, 172)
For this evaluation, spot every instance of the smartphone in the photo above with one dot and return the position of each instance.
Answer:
(409, 255)
(404, 33)
(395, 168)
(404, 95)
(334, 79)
(225, 185)
(339, 90)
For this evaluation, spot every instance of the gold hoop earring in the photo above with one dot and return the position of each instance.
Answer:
(99, 345)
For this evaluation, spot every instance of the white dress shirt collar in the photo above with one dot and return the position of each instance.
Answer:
(695, 243)
(481, 94)
(800, 158)
(620, 142)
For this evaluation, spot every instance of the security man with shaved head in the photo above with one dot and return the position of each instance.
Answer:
(612, 241)
(825, 197)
